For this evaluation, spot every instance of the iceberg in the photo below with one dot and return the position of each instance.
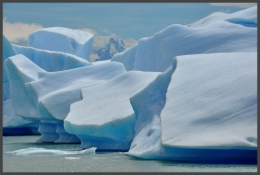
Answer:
(44, 96)
(104, 118)
(211, 35)
(209, 114)
(188, 93)
(62, 39)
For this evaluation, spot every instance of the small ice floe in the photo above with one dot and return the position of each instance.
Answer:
(43, 151)
(72, 158)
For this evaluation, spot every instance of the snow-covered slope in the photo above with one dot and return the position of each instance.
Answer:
(211, 35)
(63, 40)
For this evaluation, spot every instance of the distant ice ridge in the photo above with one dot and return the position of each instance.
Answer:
(236, 32)
(61, 39)
(246, 17)
(51, 61)
(42, 151)
(209, 113)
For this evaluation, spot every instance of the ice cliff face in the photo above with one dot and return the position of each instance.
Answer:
(187, 93)
(208, 110)
(12, 123)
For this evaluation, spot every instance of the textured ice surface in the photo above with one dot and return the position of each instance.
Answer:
(207, 36)
(104, 118)
(42, 151)
(209, 114)
(53, 92)
(46, 96)
(212, 102)
(62, 39)
(51, 61)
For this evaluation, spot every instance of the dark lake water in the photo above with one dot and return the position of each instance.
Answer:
(97, 162)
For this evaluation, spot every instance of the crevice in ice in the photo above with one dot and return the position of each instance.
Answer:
(147, 106)
(243, 22)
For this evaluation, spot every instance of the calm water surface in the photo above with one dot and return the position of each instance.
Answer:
(98, 162)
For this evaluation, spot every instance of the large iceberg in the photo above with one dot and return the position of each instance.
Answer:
(224, 33)
(187, 93)
(62, 39)
(209, 114)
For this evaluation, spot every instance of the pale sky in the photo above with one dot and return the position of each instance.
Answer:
(129, 21)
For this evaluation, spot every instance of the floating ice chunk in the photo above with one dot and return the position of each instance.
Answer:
(43, 151)
(62, 39)
(51, 61)
(104, 118)
(72, 158)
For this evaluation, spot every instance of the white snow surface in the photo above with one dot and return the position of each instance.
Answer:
(62, 39)
(236, 32)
